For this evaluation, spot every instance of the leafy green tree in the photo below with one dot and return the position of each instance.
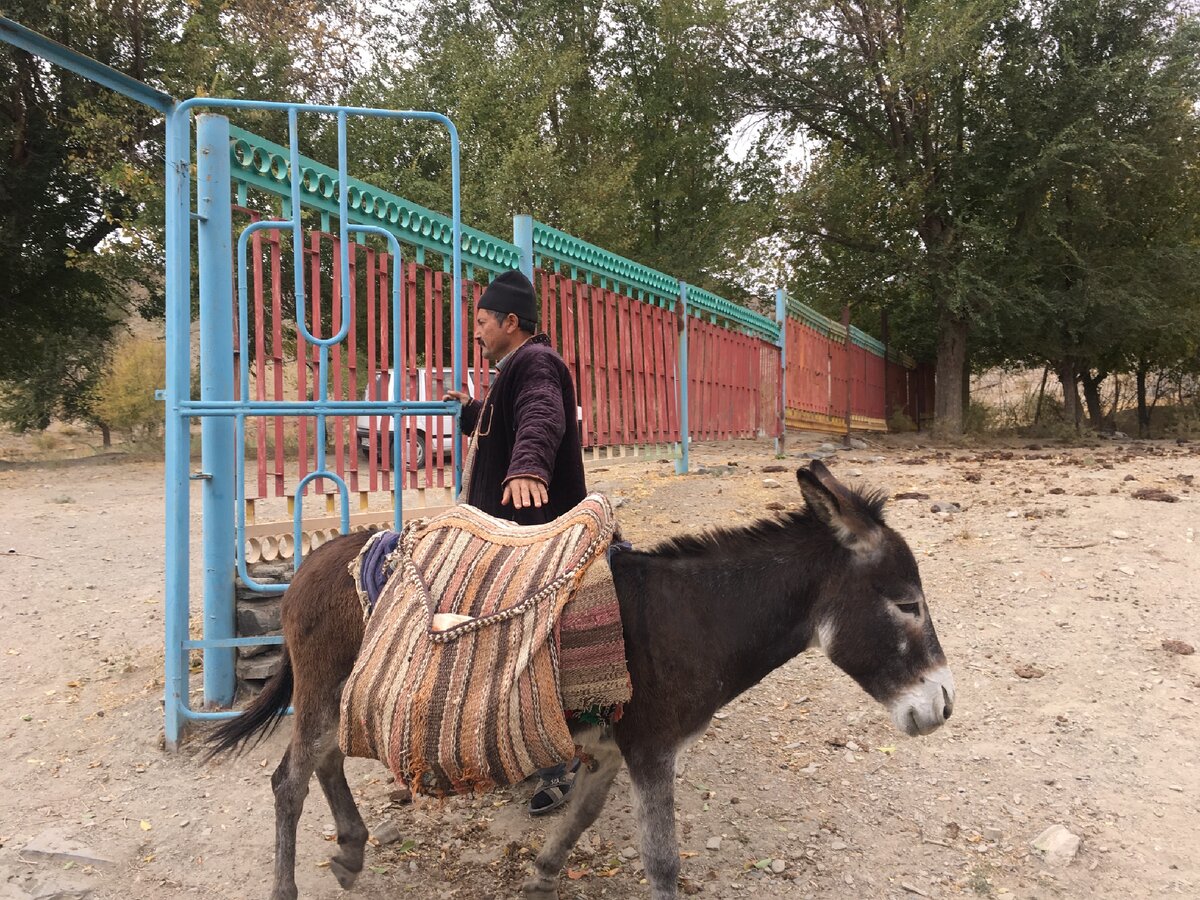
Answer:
(70, 178)
(1009, 181)
(887, 92)
(80, 178)
(604, 119)
(1102, 129)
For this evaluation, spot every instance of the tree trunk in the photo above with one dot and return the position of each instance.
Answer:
(1091, 396)
(1037, 411)
(951, 362)
(106, 435)
(966, 384)
(1065, 370)
(1143, 409)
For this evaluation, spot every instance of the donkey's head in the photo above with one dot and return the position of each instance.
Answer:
(870, 616)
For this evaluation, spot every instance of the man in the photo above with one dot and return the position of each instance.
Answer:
(526, 463)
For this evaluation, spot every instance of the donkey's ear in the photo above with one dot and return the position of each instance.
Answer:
(822, 501)
(834, 505)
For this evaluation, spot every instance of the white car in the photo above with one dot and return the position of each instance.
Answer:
(383, 393)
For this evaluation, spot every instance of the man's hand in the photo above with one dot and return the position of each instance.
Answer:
(523, 492)
(461, 397)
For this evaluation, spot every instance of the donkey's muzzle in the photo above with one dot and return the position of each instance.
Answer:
(925, 706)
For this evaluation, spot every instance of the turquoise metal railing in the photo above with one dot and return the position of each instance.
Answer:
(586, 260)
(259, 163)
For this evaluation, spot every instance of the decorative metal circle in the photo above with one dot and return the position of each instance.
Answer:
(261, 160)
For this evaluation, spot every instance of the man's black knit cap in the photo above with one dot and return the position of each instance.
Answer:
(511, 292)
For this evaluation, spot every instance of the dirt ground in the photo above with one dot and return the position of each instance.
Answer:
(1053, 589)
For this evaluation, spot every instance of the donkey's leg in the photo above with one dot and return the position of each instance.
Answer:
(314, 736)
(653, 777)
(351, 831)
(290, 783)
(588, 794)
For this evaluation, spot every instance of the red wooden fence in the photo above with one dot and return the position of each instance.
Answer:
(621, 351)
(820, 371)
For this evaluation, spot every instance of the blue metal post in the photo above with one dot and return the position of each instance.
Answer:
(456, 323)
(781, 318)
(681, 464)
(177, 447)
(523, 238)
(214, 250)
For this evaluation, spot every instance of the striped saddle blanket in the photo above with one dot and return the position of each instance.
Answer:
(456, 687)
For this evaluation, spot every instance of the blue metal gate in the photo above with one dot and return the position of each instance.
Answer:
(221, 413)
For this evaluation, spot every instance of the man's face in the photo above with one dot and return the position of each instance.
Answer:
(495, 338)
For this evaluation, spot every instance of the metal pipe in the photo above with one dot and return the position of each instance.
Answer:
(523, 238)
(310, 408)
(39, 45)
(455, 307)
(849, 374)
(176, 442)
(214, 254)
(681, 464)
(781, 318)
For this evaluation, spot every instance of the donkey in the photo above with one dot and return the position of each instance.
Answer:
(705, 618)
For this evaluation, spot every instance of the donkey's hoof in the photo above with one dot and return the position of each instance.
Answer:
(344, 876)
(540, 888)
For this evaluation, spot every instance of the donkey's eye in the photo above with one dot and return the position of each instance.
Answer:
(912, 608)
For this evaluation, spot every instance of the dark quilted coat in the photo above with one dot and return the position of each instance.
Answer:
(526, 427)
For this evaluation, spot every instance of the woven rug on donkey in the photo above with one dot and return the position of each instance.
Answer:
(478, 705)
(592, 674)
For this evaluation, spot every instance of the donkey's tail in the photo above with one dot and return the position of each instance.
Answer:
(257, 720)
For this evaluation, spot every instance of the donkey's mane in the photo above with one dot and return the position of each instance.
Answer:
(740, 540)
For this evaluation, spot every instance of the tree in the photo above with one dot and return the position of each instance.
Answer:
(69, 180)
(886, 91)
(80, 178)
(612, 126)
(1009, 180)
(1102, 198)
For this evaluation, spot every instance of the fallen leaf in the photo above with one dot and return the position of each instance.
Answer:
(888, 750)
(1028, 671)
(762, 863)
(146, 826)
(379, 870)
(576, 874)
